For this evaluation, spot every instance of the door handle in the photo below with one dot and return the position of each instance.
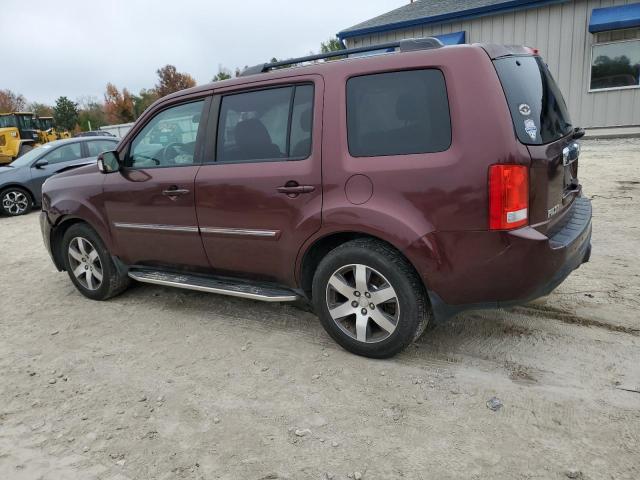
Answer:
(174, 192)
(293, 189)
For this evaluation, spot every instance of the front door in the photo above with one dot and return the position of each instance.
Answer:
(57, 159)
(259, 193)
(150, 203)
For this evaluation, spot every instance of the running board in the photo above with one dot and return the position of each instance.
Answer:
(263, 292)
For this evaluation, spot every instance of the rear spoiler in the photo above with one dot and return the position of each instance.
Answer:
(498, 51)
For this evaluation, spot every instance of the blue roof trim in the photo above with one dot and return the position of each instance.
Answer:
(460, 15)
(456, 38)
(615, 18)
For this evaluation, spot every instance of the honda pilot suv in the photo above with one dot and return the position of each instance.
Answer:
(386, 190)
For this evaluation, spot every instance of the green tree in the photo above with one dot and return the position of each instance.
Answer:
(143, 100)
(331, 45)
(91, 115)
(223, 74)
(65, 113)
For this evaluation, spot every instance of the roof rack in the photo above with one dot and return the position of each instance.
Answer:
(408, 45)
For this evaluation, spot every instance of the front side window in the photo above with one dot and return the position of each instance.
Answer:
(615, 65)
(398, 113)
(169, 139)
(67, 153)
(263, 125)
(96, 147)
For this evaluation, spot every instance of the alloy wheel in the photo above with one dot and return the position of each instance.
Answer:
(15, 202)
(363, 303)
(85, 263)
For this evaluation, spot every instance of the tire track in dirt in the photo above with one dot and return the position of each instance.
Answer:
(573, 319)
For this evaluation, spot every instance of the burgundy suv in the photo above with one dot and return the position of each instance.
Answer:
(387, 190)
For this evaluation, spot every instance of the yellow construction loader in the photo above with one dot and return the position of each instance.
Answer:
(18, 135)
(47, 131)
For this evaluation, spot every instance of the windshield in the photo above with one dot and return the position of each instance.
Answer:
(25, 122)
(7, 121)
(537, 107)
(29, 157)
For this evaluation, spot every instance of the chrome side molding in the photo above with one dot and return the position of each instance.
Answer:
(245, 232)
(145, 226)
(241, 232)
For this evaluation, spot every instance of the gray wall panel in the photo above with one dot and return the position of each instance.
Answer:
(560, 31)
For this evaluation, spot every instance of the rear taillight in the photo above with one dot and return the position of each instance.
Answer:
(508, 196)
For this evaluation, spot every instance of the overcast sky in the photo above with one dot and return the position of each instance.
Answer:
(75, 47)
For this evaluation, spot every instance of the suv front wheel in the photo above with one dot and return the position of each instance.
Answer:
(15, 201)
(370, 299)
(90, 265)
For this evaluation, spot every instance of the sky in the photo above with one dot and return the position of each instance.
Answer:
(74, 47)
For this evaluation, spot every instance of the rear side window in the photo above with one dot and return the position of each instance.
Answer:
(65, 154)
(263, 125)
(398, 113)
(537, 107)
(96, 147)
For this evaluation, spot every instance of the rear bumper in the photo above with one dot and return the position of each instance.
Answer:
(478, 270)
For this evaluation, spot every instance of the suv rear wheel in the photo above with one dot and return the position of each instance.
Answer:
(370, 299)
(89, 264)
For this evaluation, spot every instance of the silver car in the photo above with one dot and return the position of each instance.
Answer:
(21, 181)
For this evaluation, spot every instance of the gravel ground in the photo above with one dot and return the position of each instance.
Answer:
(169, 384)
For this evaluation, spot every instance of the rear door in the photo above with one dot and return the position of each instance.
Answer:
(150, 203)
(259, 193)
(541, 121)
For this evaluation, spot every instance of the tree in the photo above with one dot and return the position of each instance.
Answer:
(170, 80)
(11, 102)
(143, 100)
(331, 45)
(40, 109)
(223, 74)
(91, 116)
(65, 113)
(118, 107)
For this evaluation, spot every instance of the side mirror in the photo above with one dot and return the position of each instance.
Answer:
(41, 163)
(109, 162)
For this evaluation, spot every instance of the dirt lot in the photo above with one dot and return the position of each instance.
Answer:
(171, 384)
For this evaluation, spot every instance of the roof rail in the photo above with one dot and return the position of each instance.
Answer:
(408, 45)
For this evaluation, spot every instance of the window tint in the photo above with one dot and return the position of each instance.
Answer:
(302, 122)
(169, 139)
(398, 113)
(99, 146)
(66, 153)
(265, 125)
(615, 65)
(537, 107)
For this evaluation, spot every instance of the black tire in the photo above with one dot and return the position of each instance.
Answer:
(113, 280)
(388, 264)
(15, 201)
(24, 148)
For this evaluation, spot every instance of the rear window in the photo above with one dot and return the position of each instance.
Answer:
(398, 113)
(537, 107)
